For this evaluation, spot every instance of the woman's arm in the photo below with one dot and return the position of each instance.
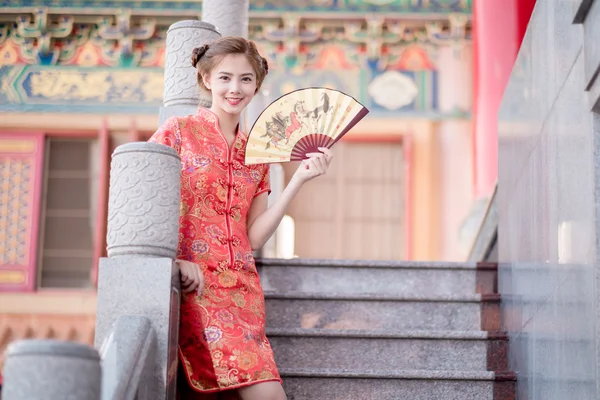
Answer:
(263, 221)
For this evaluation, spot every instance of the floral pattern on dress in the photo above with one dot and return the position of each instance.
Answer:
(222, 341)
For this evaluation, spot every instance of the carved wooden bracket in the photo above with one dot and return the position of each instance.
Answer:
(37, 33)
(124, 32)
(128, 38)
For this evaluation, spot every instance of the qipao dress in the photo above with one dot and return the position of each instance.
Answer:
(222, 341)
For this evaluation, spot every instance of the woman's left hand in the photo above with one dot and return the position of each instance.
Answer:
(316, 165)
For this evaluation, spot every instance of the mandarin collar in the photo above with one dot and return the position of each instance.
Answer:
(213, 119)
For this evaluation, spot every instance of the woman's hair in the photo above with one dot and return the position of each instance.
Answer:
(208, 56)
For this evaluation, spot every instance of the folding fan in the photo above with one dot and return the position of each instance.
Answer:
(300, 122)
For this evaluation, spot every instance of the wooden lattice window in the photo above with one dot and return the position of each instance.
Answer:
(20, 184)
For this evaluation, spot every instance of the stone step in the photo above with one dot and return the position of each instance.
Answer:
(375, 312)
(377, 277)
(403, 350)
(332, 384)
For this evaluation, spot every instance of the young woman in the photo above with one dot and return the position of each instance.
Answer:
(223, 349)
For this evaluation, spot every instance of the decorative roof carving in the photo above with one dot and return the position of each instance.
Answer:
(126, 38)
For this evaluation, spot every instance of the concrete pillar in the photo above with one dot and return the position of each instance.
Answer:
(140, 277)
(182, 96)
(51, 369)
(229, 16)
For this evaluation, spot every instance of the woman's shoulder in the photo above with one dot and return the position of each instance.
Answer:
(184, 122)
(174, 121)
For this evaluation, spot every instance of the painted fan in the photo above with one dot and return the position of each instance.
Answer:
(299, 122)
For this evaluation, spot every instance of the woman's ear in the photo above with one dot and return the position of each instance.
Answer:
(206, 80)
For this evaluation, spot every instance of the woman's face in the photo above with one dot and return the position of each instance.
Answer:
(232, 84)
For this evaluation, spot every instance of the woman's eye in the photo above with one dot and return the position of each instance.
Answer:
(224, 78)
(247, 79)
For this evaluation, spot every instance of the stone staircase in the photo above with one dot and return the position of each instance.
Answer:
(386, 330)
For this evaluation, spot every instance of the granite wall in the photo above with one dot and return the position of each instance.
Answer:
(547, 204)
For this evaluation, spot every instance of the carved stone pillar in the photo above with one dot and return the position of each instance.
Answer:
(229, 16)
(143, 204)
(182, 95)
(140, 277)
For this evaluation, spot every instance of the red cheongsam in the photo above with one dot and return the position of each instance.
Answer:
(222, 342)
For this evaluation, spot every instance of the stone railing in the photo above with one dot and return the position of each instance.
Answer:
(138, 297)
(485, 243)
(139, 277)
(128, 359)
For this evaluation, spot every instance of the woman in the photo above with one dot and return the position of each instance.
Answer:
(223, 349)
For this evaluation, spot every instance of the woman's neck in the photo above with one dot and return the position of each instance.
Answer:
(227, 122)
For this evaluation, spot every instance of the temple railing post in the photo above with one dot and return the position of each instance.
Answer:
(140, 277)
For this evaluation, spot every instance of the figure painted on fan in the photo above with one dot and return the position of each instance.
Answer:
(275, 131)
(321, 110)
(283, 127)
(296, 120)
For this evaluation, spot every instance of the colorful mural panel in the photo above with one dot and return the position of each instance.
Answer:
(101, 90)
(39, 88)
(106, 90)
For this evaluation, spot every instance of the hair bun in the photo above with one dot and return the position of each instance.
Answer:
(265, 64)
(197, 54)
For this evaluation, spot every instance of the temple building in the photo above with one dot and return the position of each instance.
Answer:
(79, 78)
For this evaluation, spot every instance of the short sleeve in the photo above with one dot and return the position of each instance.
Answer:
(168, 134)
(265, 183)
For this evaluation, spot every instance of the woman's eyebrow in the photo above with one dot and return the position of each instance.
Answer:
(230, 74)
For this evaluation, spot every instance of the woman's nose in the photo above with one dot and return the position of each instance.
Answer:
(234, 87)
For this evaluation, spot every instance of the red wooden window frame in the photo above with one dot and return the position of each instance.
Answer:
(103, 183)
(13, 276)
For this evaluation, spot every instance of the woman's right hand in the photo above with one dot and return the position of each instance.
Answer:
(191, 276)
(315, 165)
